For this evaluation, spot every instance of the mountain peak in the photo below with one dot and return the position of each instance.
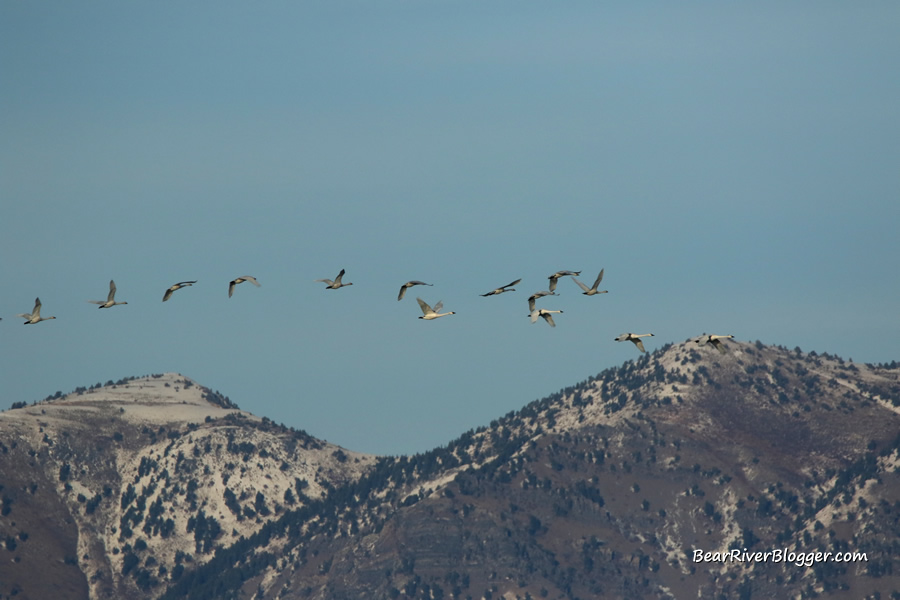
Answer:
(167, 398)
(606, 489)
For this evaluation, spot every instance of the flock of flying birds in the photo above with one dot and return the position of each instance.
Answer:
(428, 312)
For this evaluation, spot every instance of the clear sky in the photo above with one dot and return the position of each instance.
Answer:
(735, 168)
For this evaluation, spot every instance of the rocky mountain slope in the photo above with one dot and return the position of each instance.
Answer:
(609, 489)
(113, 491)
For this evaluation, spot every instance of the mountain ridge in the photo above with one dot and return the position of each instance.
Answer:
(604, 488)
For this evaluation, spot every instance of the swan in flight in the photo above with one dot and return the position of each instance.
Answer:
(547, 315)
(533, 298)
(555, 277)
(592, 291)
(635, 338)
(111, 299)
(503, 288)
(715, 340)
(241, 279)
(35, 316)
(175, 287)
(336, 284)
(408, 285)
(429, 313)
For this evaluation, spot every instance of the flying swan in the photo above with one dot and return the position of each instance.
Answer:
(241, 279)
(715, 340)
(408, 285)
(547, 315)
(175, 287)
(503, 288)
(35, 316)
(635, 338)
(336, 284)
(555, 277)
(429, 313)
(110, 299)
(592, 291)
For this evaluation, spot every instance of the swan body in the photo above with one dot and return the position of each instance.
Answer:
(504, 288)
(241, 279)
(408, 285)
(175, 287)
(555, 277)
(429, 313)
(715, 340)
(545, 314)
(35, 316)
(336, 284)
(634, 338)
(110, 299)
(592, 291)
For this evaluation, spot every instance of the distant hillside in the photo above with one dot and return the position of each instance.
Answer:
(607, 489)
(117, 490)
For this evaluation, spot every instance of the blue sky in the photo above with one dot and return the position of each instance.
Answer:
(735, 168)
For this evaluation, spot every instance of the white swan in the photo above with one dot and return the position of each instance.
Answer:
(429, 313)
(715, 340)
(503, 288)
(555, 277)
(547, 315)
(592, 291)
(635, 338)
(336, 284)
(175, 287)
(110, 299)
(35, 316)
(241, 279)
(408, 285)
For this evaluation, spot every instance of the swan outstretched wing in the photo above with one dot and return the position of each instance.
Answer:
(581, 285)
(426, 310)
